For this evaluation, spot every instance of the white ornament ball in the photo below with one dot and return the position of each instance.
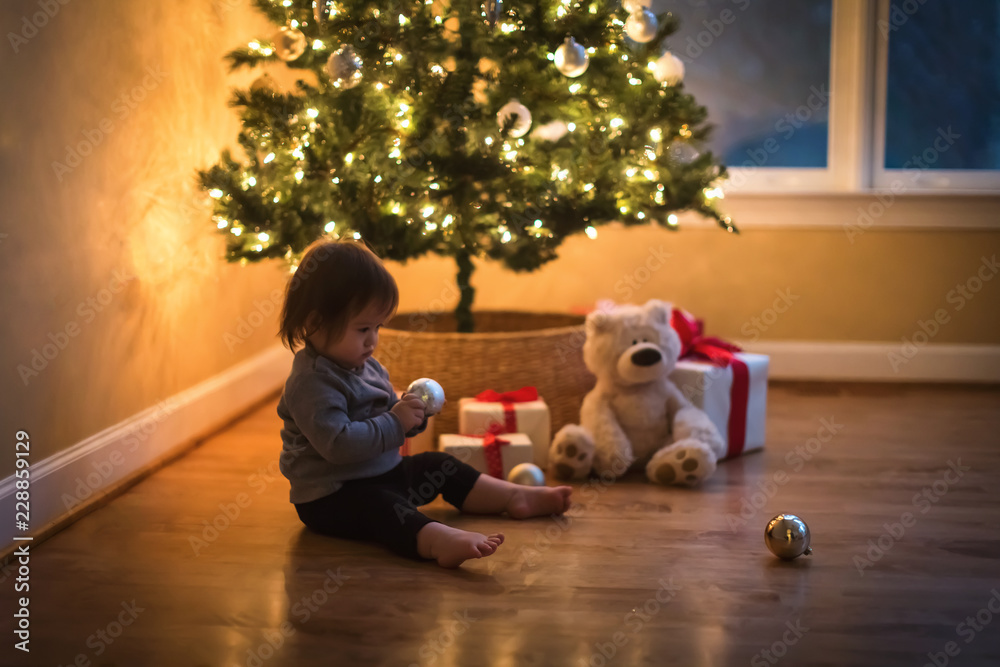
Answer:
(289, 43)
(641, 26)
(633, 6)
(430, 392)
(668, 69)
(521, 124)
(683, 152)
(571, 59)
(527, 474)
(344, 67)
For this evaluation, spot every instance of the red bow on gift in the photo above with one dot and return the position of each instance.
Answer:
(522, 395)
(491, 448)
(508, 399)
(695, 345)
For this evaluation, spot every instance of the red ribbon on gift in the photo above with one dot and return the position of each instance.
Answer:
(508, 399)
(494, 457)
(695, 345)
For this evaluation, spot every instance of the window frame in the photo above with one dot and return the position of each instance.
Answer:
(859, 62)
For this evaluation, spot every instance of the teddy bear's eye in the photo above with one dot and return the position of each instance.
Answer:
(645, 340)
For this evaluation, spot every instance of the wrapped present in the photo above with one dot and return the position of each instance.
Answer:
(422, 442)
(728, 384)
(521, 411)
(491, 454)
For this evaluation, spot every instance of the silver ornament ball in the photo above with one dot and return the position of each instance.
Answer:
(344, 67)
(527, 474)
(571, 59)
(787, 537)
(523, 121)
(641, 26)
(289, 43)
(430, 392)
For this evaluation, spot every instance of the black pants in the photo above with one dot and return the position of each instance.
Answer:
(383, 509)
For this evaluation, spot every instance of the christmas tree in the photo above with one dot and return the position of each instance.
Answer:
(464, 129)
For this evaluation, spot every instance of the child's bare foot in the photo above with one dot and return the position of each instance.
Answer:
(450, 547)
(529, 501)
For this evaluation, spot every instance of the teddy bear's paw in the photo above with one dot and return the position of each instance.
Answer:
(571, 455)
(693, 423)
(684, 463)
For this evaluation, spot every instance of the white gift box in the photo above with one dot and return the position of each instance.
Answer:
(529, 417)
(470, 449)
(710, 387)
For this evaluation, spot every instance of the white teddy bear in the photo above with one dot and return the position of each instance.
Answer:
(635, 414)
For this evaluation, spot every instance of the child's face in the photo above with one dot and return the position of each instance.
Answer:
(359, 339)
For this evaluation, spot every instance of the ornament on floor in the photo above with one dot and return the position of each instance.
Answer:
(668, 69)
(492, 9)
(641, 26)
(344, 67)
(527, 474)
(787, 537)
(522, 122)
(571, 59)
(322, 10)
(430, 392)
(289, 43)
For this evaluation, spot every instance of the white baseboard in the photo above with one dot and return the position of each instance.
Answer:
(879, 362)
(96, 466)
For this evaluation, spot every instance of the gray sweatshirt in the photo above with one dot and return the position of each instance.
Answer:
(337, 424)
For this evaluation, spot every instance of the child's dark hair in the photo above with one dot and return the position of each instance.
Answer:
(335, 281)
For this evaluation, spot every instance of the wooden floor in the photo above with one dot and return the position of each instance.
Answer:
(637, 575)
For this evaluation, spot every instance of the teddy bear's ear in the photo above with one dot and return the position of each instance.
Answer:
(599, 321)
(659, 311)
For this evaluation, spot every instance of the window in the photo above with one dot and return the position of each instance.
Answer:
(847, 95)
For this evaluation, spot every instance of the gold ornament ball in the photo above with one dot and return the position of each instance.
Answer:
(289, 43)
(787, 537)
(526, 474)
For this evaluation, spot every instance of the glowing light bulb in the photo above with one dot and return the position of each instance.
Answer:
(298, 176)
(251, 181)
(357, 235)
(312, 113)
(505, 238)
(329, 227)
(656, 134)
(571, 127)
(263, 236)
(574, 88)
(591, 232)
(349, 158)
(427, 211)
(215, 193)
(617, 122)
(447, 220)
(672, 219)
(236, 231)
(538, 224)
(318, 44)
(489, 141)
(270, 156)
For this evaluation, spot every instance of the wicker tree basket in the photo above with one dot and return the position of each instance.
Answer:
(508, 351)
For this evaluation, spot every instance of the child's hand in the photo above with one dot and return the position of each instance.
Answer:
(410, 410)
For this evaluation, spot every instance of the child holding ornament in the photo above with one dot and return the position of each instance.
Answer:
(344, 425)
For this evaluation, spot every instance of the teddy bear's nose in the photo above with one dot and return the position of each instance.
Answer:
(646, 357)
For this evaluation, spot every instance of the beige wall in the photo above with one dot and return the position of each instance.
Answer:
(131, 206)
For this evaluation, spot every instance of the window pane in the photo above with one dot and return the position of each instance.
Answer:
(944, 72)
(762, 68)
